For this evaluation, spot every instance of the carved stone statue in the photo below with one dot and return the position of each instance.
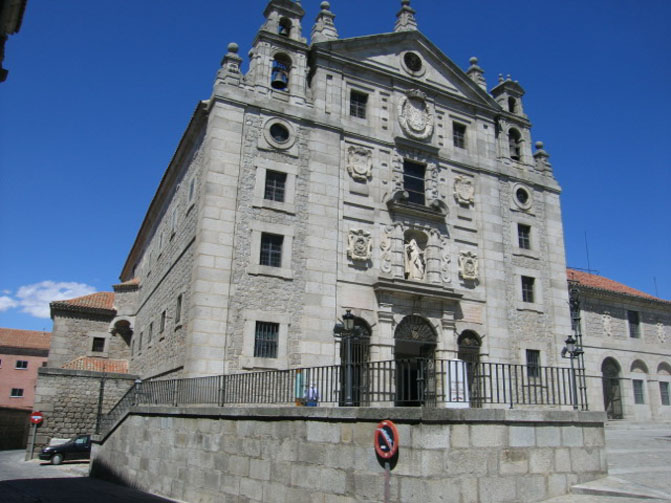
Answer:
(415, 267)
(359, 245)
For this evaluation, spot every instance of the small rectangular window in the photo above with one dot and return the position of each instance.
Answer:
(413, 181)
(634, 324)
(357, 104)
(664, 392)
(528, 289)
(150, 332)
(459, 135)
(162, 324)
(98, 345)
(192, 188)
(275, 186)
(139, 342)
(178, 310)
(524, 236)
(133, 343)
(271, 250)
(639, 398)
(16, 393)
(21, 364)
(265, 339)
(533, 363)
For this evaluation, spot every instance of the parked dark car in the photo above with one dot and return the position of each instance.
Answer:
(78, 448)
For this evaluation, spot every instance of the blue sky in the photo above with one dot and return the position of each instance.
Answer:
(99, 93)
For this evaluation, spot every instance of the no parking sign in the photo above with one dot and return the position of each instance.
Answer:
(386, 439)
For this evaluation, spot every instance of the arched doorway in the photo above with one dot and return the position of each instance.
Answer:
(612, 394)
(414, 351)
(469, 351)
(360, 357)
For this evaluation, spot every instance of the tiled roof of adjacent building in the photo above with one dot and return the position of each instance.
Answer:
(15, 338)
(600, 283)
(99, 301)
(98, 365)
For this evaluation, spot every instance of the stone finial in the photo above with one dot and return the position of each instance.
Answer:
(324, 28)
(541, 157)
(231, 61)
(476, 73)
(405, 19)
(500, 78)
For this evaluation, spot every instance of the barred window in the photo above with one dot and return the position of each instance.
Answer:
(634, 324)
(533, 363)
(21, 364)
(271, 250)
(265, 339)
(459, 135)
(524, 236)
(527, 289)
(16, 393)
(275, 186)
(413, 181)
(639, 398)
(664, 392)
(357, 104)
(98, 345)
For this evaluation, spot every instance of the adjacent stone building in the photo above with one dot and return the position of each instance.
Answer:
(372, 174)
(626, 336)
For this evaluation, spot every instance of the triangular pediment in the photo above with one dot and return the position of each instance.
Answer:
(386, 53)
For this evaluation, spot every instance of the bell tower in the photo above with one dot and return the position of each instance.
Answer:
(278, 59)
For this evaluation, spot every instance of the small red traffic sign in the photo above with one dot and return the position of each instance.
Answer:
(36, 417)
(386, 439)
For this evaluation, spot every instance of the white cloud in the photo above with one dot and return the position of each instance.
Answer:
(7, 303)
(34, 299)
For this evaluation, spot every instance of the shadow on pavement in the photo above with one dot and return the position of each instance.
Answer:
(71, 490)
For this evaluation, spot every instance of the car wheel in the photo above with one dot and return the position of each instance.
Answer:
(56, 459)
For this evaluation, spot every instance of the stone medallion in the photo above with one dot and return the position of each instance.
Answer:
(415, 115)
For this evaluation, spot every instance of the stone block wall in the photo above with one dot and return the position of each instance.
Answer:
(327, 454)
(69, 400)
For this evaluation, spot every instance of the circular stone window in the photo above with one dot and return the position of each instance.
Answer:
(279, 133)
(413, 64)
(522, 197)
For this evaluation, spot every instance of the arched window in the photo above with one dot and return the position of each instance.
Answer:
(284, 27)
(279, 78)
(514, 144)
(512, 105)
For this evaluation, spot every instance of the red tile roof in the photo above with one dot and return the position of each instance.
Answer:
(98, 365)
(601, 283)
(15, 338)
(95, 301)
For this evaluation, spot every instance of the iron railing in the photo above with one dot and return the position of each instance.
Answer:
(414, 382)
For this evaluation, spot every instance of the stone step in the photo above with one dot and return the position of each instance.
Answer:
(615, 487)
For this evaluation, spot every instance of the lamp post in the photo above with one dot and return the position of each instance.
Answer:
(345, 331)
(572, 351)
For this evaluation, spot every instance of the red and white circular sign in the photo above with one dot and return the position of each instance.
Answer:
(386, 439)
(36, 417)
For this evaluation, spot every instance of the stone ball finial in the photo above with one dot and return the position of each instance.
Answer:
(500, 78)
(233, 47)
(405, 2)
(473, 60)
(325, 6)
(508, 77)
(539, 145)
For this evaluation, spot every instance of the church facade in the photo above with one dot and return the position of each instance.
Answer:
(370, 174)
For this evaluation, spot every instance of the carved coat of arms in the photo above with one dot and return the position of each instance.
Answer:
(415, 115)
(359, 245)
(464, 191)
(359, 163)
(468, 265)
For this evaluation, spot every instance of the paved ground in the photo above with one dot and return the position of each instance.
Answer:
(639, 467)
(639, 464)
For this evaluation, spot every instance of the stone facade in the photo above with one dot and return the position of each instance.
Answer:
(380, 143)
(626, 335)
(69, 400)
(279, 455)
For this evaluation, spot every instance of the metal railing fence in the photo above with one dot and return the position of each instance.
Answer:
(413, 382)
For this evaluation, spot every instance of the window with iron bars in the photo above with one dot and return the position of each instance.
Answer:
(275, 186)
(357, 104)
(265, 339)
(413, 181)
(664, 392)
(458, 135)
(271, 250)
(533, 363)
(527, 289)
(639, 397)
(524, 236)
(634, 324)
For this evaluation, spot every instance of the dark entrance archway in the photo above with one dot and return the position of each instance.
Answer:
(414, 352)
(469, 351)
(612, 395)
(360, 357)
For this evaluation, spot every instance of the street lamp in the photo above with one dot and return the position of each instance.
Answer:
(345, 331)
(572, 351)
